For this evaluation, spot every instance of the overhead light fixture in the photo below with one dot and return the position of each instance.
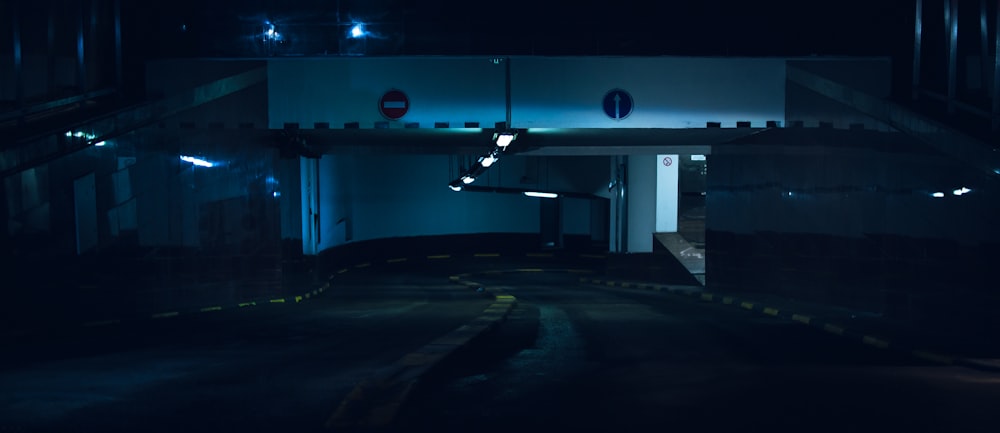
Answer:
(198, 162)
(488, 160)
(541, 194)
(467, 179)
(937, 195)
(357, 31)
(504, 139)
(962, 190)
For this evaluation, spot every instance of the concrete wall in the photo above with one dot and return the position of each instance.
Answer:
(339, 90)
(851, 220)
(872, 76)
(546, 92)
(668, 92)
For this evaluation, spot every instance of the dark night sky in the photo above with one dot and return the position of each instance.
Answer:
(583, 27)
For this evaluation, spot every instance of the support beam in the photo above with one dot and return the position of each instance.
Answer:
(917, 39)
(81, 67)
(952, 31)
(50, 50)
(996, 71)
(119, 77)
(984, 46)
(15, 18)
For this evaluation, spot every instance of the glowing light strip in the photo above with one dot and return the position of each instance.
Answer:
(197, 161)
(541, 194)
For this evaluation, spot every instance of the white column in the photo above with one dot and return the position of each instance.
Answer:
(666, 193)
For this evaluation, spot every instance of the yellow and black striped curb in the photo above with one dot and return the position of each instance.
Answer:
(294, 299)
(375, 402)
(830, 327)
(316, 292)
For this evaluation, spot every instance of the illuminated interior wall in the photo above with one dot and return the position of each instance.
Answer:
(366, 197)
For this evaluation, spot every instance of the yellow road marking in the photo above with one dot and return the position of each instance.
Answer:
(298, 299)
(539, 254)
(771, 311)
(747, 305)
(706, 296)
(872, 341)
(208, 309)
(362, 265)
(486, 255)
(727, 300)
(440, 256)
(343, 271)
(278, 301)
(401, 259)
(247, 304)
(801, 318)
(505, 297)
(165, 315)
(833, 329)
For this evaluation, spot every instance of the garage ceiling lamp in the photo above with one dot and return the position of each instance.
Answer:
(488, 160)
(503, 139)
(541, 194)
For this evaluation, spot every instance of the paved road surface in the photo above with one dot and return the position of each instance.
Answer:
(583, 358)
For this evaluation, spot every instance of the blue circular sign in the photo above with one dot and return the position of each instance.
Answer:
(617, 104)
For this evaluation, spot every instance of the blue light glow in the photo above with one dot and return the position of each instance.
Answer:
(937, 195)
(198, 162)
(357, 31)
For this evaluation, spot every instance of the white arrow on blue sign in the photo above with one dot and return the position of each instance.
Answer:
(617, 104)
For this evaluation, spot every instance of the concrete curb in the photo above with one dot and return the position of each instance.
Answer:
(857, 335)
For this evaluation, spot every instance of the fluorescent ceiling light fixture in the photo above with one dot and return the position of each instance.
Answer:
(197, 161)
(697, 157)
(100, 143)
(962, 190)
(468, 179)
(487, 160)
(504, 139)
(937, 195)
(541, 194)
(455, 187)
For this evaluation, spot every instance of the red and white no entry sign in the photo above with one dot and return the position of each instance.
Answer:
(667, 161)
(393, 104)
